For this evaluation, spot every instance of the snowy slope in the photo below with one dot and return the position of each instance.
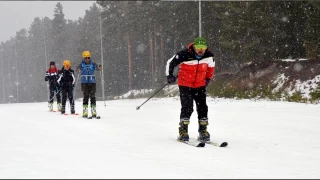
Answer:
(266, 140)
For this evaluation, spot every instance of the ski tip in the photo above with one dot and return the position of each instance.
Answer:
(224, 144)
(65, 114)
(76, 113)
(202, 144)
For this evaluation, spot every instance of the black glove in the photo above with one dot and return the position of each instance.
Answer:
(46, 78)
(207, 81)
(171, 79)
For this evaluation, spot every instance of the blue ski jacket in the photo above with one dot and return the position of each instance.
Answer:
(87, 72)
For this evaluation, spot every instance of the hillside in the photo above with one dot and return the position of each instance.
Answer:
(282, 77)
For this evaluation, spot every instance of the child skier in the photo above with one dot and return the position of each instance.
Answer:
(52, 76)
(66, 81)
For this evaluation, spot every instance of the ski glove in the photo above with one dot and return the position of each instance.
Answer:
(171, 79)
(207, 82)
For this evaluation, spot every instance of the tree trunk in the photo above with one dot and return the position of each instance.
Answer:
(155, 51)
(129, 62)
(151, 59)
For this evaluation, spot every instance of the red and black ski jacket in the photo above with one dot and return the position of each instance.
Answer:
(52, 76)
(192, 72)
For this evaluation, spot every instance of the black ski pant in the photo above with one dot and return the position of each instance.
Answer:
(89, 90)
(53, 89)
(187, 95)
(67, 93)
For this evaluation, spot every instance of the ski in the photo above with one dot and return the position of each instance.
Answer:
(75, 114)
(224, 144)
(194, 144)
(91, 117)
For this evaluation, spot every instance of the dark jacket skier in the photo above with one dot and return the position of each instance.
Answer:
(66, 81)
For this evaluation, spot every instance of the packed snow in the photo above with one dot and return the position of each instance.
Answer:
(266, 140)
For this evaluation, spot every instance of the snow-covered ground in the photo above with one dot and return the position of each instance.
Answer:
(266, 140)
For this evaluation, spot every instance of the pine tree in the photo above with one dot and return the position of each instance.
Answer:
(58, 34)
(312, 33)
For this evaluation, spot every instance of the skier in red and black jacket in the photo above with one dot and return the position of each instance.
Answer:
(195, 66)
(52, 77)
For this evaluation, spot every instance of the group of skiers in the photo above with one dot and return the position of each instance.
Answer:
(63, 81)
(195, 67)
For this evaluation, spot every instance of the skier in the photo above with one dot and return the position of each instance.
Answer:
(196, 68)
(66, 81)
(88, 83)
(52, 76)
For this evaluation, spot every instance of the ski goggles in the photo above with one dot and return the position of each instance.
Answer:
(200, 47)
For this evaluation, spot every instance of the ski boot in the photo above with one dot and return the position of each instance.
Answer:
(203, 133)
(63, 109)
(59, 106)
(85, 111)
(183, 130)
(72, 109)
(50, 107)
(93, 111)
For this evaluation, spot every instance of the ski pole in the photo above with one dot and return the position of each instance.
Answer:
(48, 85)
(138, 107)
(74, 91)
(54, 95)
(102, 80)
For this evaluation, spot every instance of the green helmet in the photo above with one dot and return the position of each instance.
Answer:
(200, 42)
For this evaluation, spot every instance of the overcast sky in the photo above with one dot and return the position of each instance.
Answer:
(15, 15)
